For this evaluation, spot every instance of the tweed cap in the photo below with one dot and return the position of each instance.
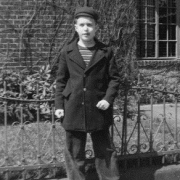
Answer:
(86, 11)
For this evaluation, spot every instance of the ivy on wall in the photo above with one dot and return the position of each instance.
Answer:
(37, 30)
(33, 32)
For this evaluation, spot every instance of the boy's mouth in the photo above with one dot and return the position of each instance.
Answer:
(86, 34)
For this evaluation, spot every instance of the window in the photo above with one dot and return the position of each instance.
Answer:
(157, 29)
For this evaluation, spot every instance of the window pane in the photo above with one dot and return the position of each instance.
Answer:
(162, 3)
(151, 31)
(150, 49)
(162, 49)
(162, 32)
(172, 32)
(163, 42)
(162, 15)
(141, 14)
(151, 2)
(141, 2)
(141, 32)
(172, 49)
(150, 14)
(172, 15)
(141, 49)
(172, 3)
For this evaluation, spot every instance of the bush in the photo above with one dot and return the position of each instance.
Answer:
(38, 85)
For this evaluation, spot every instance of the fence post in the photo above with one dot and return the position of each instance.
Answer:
(138, 117)
(176, 120)
(86, 3)
(6, 134)
(152, 116)
(124, 127)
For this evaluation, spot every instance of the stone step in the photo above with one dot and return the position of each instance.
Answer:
(60, 179)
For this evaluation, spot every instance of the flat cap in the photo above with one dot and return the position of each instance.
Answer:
(86, 11)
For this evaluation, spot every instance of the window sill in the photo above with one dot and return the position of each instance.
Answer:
(157, 62)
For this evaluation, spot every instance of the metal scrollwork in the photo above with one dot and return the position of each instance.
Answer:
(144, 147)
(89, 153)
(133, 149)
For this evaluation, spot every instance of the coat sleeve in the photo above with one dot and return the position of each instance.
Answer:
(114, 79)
(61, 81)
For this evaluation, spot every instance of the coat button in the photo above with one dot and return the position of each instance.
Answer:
(84, 89)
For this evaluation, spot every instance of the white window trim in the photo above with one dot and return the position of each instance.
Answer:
(177, 57)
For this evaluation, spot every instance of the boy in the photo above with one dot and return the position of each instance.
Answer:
(87, 83)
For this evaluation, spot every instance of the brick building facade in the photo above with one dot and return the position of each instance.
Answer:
(32, 32)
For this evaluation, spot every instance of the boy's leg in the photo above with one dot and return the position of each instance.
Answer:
(105, 158)
(75, 155)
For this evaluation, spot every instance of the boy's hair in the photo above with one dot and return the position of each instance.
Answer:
(75, 19)
(86, 12)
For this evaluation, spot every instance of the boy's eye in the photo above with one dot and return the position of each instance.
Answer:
(81, 25)
(89, 25)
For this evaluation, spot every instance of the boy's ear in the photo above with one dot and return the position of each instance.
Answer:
(97, 27)
(75, 27)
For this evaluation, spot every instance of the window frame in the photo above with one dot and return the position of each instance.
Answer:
(177, 51)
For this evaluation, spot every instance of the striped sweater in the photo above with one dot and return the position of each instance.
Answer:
(87, 53)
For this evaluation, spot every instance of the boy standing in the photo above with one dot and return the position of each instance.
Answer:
(87, 83)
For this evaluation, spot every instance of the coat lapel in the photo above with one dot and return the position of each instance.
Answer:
(98, 55)
(75, 55)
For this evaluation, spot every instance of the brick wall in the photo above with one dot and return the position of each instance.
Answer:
(32, 32)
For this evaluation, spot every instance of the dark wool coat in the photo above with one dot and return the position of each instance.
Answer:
(79, 88)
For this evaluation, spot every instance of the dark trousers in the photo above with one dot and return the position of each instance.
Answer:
(105, 158)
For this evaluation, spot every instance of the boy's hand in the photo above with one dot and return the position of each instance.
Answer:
(59, 113)
(103, 105)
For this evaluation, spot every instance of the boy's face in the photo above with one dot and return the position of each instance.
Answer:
(86, 28)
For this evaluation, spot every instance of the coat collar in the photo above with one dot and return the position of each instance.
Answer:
(76, 57)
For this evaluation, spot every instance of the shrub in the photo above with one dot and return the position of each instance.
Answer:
(38, 85)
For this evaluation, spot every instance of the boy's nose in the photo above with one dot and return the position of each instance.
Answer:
(85, 27)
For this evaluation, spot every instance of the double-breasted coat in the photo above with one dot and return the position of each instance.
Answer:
(80, 88)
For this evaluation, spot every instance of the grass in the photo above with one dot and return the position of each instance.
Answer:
(29, 135)
(162, 130)
(32, 147)
(158, 110)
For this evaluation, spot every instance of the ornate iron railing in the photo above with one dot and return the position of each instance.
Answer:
(144, 132)
(26, 145)
(149, 130)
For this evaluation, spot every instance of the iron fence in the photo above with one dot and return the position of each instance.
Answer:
(29, 145)
(146, 131)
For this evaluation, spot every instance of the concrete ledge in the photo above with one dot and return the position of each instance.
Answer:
(145, 172)
(169, 172)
